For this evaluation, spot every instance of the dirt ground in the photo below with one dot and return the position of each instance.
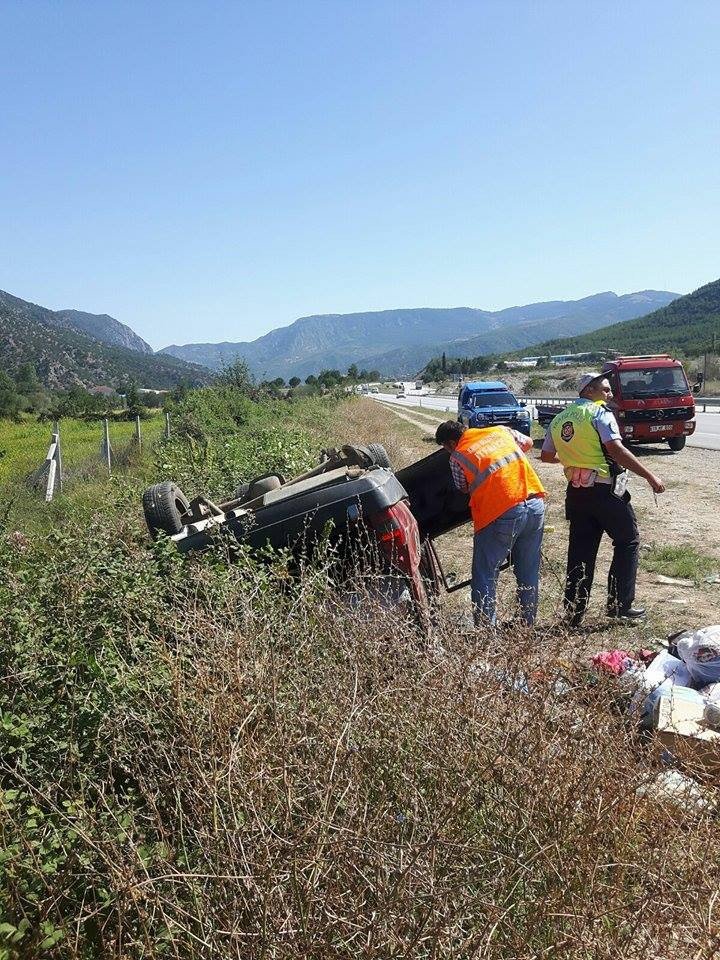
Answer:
(687, 514)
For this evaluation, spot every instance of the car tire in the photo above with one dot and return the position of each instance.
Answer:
(378, 455)
(676, 443)
(264, 484)
(240, 492)
(164, 505)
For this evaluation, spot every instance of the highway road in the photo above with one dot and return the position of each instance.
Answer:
(706, 436)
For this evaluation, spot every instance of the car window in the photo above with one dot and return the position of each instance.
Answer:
(653, 382)
(492, 399)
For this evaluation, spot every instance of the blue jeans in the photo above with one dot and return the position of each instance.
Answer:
(517, 532)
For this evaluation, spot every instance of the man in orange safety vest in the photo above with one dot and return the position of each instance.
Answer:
(507, 507)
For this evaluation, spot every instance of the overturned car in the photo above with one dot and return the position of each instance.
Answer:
(373, 515)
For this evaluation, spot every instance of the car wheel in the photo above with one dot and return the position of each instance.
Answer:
(378, 455)
(164, 505)
(676, 443)
(240, 492)
(264, 484)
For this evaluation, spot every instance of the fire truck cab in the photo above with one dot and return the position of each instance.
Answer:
(652, 399)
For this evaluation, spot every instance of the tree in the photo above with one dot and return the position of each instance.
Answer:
(29, 387)
(77, 402)
(135, 406)
(294, 382)
(10, 400)
(311, 380)
(237, 375)
(330, 378)
(443, 363)
(353, 372)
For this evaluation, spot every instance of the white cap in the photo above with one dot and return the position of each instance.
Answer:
(585, 378)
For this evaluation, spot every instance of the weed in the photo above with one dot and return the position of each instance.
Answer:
(683, 561)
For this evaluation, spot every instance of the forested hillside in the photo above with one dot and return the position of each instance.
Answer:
(103, 327)
(64, 357)
(687, 326)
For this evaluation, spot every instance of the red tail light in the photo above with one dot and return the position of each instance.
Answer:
(397, 533)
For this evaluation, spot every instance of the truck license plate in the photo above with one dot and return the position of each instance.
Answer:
(657, 428)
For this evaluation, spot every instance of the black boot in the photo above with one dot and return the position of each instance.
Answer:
(629, 614)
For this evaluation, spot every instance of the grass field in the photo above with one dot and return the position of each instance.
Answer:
(24, 445)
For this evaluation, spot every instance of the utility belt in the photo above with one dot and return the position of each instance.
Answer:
(582, 478)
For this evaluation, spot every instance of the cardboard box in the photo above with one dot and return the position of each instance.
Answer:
(680, 728)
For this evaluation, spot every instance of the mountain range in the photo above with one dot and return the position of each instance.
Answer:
(69, 348)
(400, 342)
(689, 325)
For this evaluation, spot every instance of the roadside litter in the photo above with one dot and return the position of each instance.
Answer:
(675, 694)
(674, 581)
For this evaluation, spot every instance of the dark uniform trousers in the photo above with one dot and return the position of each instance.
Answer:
(593, 511)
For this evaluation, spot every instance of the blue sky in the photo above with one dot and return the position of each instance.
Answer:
(208, 171)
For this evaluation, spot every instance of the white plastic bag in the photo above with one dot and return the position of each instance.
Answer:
(658, 679)
(700, 651)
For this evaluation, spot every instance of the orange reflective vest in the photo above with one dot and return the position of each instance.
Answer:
(498, 473)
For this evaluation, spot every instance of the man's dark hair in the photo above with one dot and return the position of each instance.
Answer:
(449, 431)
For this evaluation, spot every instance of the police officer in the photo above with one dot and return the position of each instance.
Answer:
(586, 440)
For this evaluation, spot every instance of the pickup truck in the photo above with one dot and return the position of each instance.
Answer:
(485, 403)
(652, 400)
(370, 513)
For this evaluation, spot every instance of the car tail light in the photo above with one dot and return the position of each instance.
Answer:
(397, 532)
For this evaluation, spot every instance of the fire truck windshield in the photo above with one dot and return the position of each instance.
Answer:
(653, 382)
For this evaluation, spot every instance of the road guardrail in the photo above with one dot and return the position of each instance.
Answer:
(702, 404)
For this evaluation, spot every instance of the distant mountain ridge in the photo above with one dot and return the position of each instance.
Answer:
(103, 327)
(65, 357)
(687, 325)
(402, 341)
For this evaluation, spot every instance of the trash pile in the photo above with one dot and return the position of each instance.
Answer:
(676, 694)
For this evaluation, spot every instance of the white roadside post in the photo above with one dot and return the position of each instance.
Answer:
(106, 449)
(167, 424)
(138, 433)
(59, 457)
(51, 462)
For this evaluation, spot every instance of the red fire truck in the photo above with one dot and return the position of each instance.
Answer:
(652, 400)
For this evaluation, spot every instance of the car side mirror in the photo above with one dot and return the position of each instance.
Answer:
(523, 403)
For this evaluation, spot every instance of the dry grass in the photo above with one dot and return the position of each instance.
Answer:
(290, 780)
